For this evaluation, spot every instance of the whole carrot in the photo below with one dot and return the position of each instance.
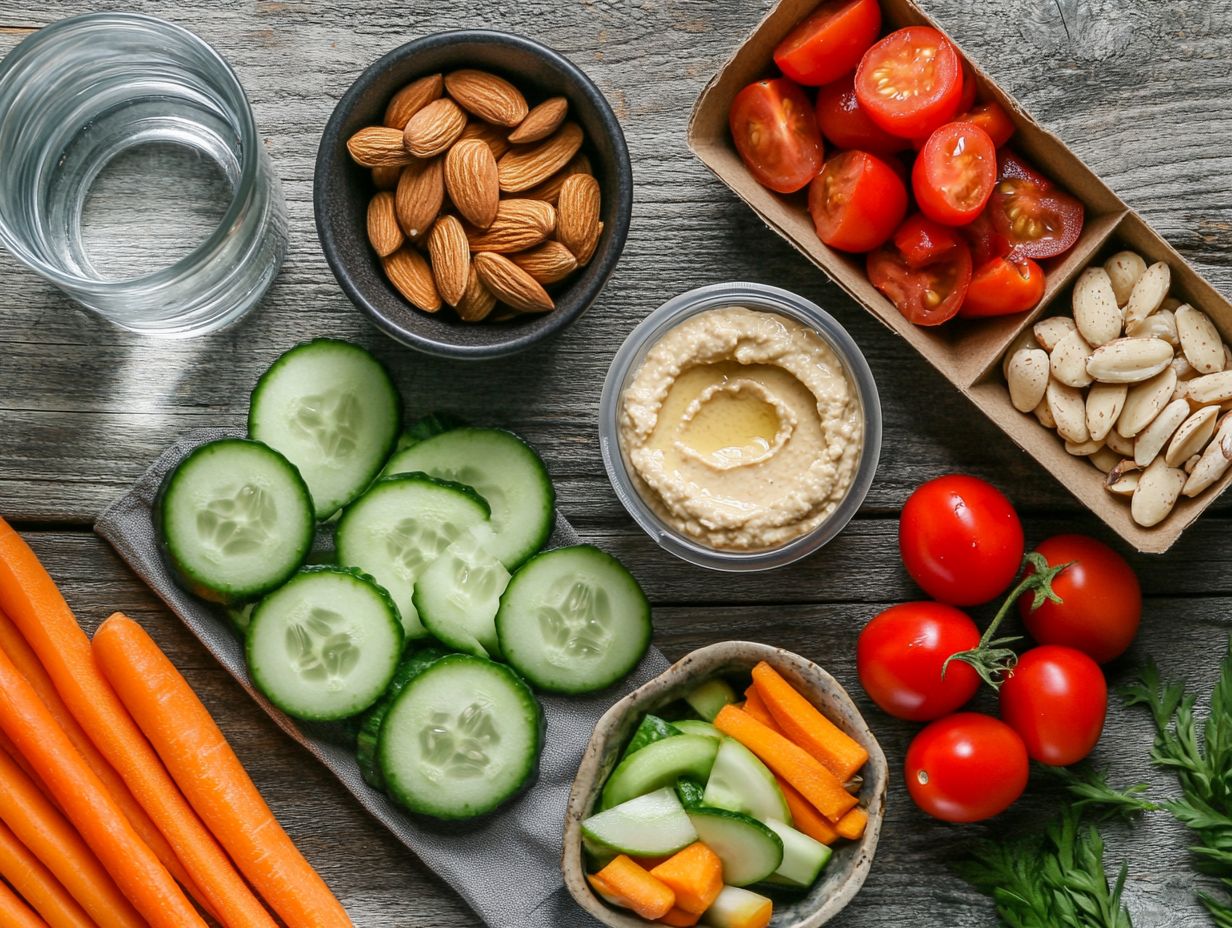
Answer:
(16, 914)
(30, 598)
(211, 776)
(50, 837)
(26, 874)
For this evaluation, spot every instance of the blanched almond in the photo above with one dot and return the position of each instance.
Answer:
(451, 258)
(1104, 404)
(1068, 409)
(490, 97)
(1121, 445)
(1148, 293)
(411, 276)
(1051, 330)
(1184, 370)
(1044, 415)
(550, 263)
(411, 99)
(1211, 388)
(1124, 485)
(1144, 401)
(1200, 340)
(378, 147)
(511, 285)
(1159, 324)
(1096, 313)
(1125, 268)
(519, 224)
(1193, 435)
(1105, 459)
(524, 167)
(1084, 449)
(434, 128)
(1151, 440)
(420, 196)
(384, 234)
(1129, 360)
(472, 182)
(541, 121)
(1026, 375)
(1215, 460)
(1068, 360)
(1156, 493)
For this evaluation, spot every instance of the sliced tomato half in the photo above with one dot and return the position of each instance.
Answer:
(830, 42)
(993, 119)
(857, 201)
(929, 293)
(1037, 219)
(775, 131)
(844, 123)
(1002, 288)
(954, 173)
(910, 82)
(921, 241)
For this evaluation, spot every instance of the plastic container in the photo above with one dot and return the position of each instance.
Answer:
(630, 357)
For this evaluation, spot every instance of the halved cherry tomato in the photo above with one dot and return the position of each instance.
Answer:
(1001, 288)
(986, 242)
(910, 82)
(966, 768)
(967, 100)
(929, 288)
(993, 119)
(845, 124)
(1037, 219)
(775, 131)
(921, 241)
(857, 201)
(830, 42)
(954, 173)
(1056, 698)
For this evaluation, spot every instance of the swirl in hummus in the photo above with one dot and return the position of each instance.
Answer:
(742, 429)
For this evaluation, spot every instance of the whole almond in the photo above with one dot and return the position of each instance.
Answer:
(523, 168)
(495, 137)
(451, 258)
(1129, 360)
(540, 122)
(386, 178)
(577, 213)
(1096, 313)
(434, 128)
(471, 179)
(410, 274)
(512, 285)
(1124, 269)
(1148, 293)
(1156, 493)
(1200, 340)
(519, 224)
(420, 196)
(411, 99)
(1027, 378)
(1144, 401)
(587, 250)
(549, 190)
(1192, 436)
(550, 263)
(491, 98)
(378, 147)
(1051, 330)
(1069, 411)
(477, 300)
(383, 230)
(1104, 404)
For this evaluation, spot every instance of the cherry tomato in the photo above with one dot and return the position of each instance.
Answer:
(1102, 601)
(986, 242)
(967, 100)
(954, 173)
(830, 42)
(900, 655)
(844, 123)
(993, 119)
(960, 539)
(921, 241)
(1056, 699)
(1000, 288)
(966, 768)
(775, 131)
(910, 82)
(1038, 220)
(927, 287)
(857, 201)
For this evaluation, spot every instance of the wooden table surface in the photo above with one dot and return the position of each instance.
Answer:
(1137, 89)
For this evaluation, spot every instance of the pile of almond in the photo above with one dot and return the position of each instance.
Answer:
(482, 201)
(1135, 381)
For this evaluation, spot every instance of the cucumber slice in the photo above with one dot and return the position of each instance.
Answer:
(399, 527)
(749, 850)
(503, 470)
(690, 793)
(803, 857)
(573, 620)
(658, 765)
(412, 665)
(458, 594)
(461, 739)
(333, 410)
(234, 520)
(695, 727)
(738, 908)
(425, 427)
(709, 698)
(649, 730)
(740, 782)
(325, 645)
(653, 825)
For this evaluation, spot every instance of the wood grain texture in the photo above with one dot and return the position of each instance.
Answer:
(1136, 89)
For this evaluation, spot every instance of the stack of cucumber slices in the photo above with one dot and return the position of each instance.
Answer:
(437, 611)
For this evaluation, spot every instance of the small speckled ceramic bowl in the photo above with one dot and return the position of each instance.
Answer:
(846, 871)
(342, 189)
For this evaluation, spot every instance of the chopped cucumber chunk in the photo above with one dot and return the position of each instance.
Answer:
(695, 727)
(653, 825)
(740, 782)
(658, 765)
(739, 908)
(649, 730)
(708, 699)
(803, 857)
(690, 793)
(750, 851)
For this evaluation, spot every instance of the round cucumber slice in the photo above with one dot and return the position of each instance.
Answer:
(573, 620)
(653, 825)
(461, 739)
(234, 519)
(325, 645)
(659, 765)
(740, 782)
(750, 851)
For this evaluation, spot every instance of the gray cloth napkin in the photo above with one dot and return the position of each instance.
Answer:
(507, 865)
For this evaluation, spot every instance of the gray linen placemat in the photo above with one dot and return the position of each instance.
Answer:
(507, 865)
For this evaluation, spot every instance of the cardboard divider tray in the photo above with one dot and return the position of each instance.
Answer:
(969, 352)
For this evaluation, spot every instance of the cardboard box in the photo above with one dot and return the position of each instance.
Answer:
(968, 352)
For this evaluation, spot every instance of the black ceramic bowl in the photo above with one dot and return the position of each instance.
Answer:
(342, 189)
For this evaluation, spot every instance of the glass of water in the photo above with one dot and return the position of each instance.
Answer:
(132, 176)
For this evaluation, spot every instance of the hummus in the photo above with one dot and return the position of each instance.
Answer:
(742, 429)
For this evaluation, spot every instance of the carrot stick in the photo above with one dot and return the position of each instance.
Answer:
(47, 834)
(851, 826)
(807, 819)
(211, 776)
(37, 886)
(754, 706)
(633, 888)
(35, 605)
(679, 918)
(16, 914)
(802, 723)
(27, 664)
(695, 875)
(795, 765)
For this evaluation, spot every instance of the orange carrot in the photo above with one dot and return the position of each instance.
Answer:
(86, 803)
(35, 605)
(633, 888)
(754, 706)
(807, 819)
(10, 749)
(212, 778)
(16, 914)
(679, 918)
(47, 834)
(37, 886)
(27, 664)
(695, 875)
(802, 723)
(791, 762)
(851, 826)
